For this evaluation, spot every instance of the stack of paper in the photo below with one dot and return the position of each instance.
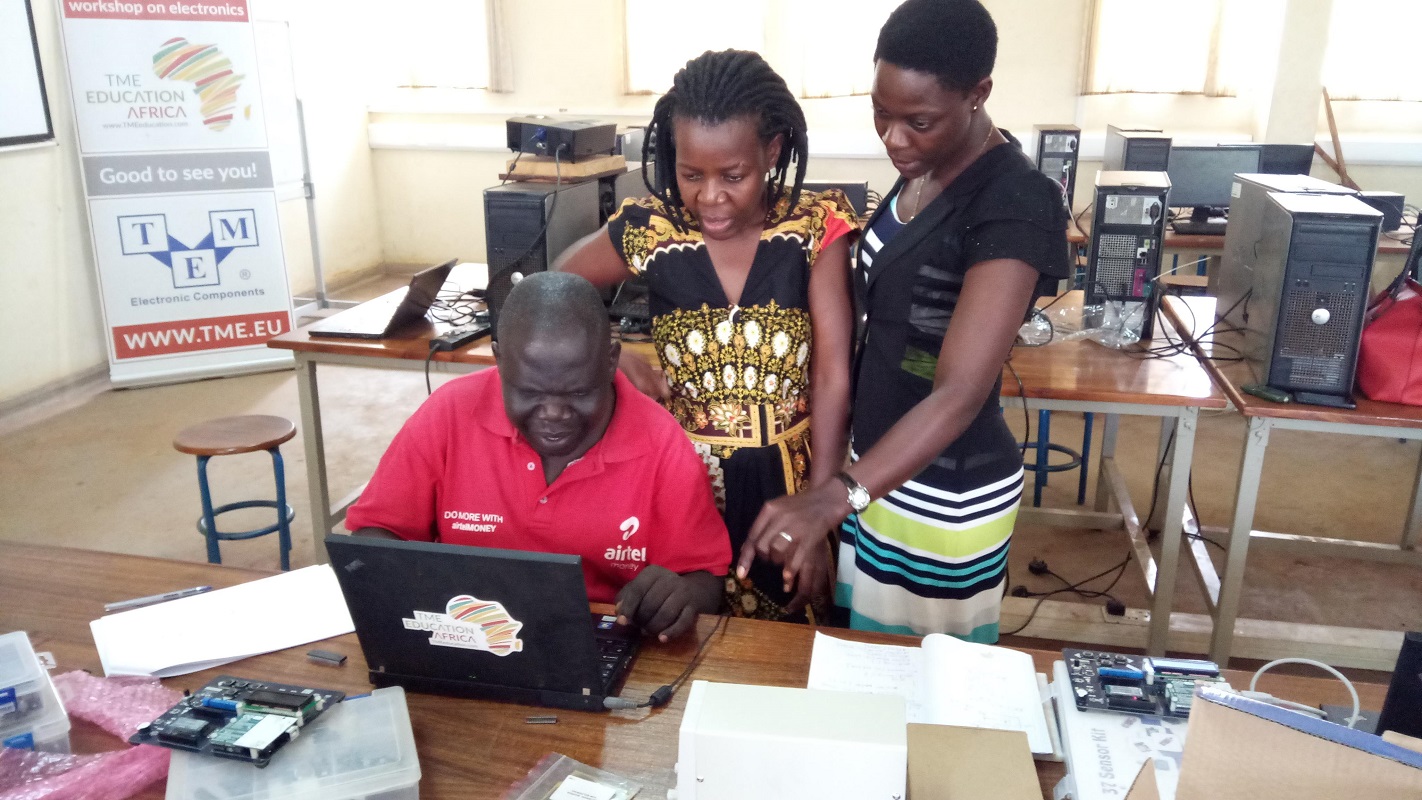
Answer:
(206, 630)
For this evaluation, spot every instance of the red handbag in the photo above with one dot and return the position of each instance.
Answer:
(1390, 353)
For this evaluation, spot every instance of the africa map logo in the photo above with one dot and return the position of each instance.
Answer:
(228, 230)
(208, 70)
(471, 624)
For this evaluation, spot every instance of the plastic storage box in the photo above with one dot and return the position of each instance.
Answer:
(44, 724)
(22, 680)
(363, 748)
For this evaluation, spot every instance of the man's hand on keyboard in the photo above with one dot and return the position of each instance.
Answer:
(665, 604)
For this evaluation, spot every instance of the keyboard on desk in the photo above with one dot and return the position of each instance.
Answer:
(1191, 227)
(615, 647)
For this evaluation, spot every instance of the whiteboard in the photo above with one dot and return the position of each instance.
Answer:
(24, 108)
(273, 40)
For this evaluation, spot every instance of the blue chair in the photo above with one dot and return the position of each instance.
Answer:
(1040, 463)
(231, 436)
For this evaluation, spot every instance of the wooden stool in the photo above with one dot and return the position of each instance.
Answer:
(229, 436)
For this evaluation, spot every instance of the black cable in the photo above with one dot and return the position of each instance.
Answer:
(663, 694)
(428, 390)
(1194, 510)
(1155, 486)
(1120, 570)
(508, 175)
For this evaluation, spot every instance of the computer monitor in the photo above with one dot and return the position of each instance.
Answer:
(1282, 159)
(1201, 177)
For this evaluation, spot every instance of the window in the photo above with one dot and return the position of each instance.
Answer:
(1208, 47)
(432, 43)
(1372, 50)
(824, 49)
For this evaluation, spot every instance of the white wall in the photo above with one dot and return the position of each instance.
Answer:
(407, 186)
(49, 307)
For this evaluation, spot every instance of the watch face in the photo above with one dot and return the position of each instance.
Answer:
(858, 498)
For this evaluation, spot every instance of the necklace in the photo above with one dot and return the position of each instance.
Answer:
(922, 179)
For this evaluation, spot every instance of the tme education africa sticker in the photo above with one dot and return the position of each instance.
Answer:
(471, 624)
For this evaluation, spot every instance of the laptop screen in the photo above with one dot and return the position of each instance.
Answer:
(462, 614)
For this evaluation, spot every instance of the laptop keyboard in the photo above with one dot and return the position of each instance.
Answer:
(612, 652)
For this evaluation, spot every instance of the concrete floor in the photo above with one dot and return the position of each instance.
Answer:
(99, 472)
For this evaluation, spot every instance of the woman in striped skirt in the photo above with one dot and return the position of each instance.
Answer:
(947, 270)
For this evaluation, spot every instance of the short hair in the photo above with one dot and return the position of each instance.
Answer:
(715, 87)
(560, 303)
(953, 40)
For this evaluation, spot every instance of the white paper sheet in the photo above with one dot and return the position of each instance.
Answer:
(945, 682)
(222, 626)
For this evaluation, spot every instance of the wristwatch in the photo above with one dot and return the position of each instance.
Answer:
(858, 495)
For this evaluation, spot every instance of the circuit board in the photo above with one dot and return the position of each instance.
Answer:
(236, 718)
(1144, 685)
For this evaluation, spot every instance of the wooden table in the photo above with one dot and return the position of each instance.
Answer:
(1370, 418)
(467, 748)
(1065, 376)
(1087, 377)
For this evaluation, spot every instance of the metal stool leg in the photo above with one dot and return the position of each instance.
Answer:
(214, 556)
(1086, 420)
(283, 512)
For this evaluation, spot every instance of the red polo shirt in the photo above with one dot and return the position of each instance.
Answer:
(459, 472)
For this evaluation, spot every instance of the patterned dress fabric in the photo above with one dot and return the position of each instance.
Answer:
(739, 373)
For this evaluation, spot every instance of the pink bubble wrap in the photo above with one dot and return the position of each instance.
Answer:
(119, 706)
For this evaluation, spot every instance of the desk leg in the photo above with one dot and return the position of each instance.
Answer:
(316, 486)
(1414, 513)
(1256, 442)
(1163, 595)
(1108, 453)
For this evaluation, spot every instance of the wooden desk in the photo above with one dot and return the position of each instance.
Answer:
(1370, 418)
(467, 748)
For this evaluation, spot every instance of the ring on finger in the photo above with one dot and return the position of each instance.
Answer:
(787, 537)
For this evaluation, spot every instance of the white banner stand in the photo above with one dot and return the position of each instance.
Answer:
(183, 217)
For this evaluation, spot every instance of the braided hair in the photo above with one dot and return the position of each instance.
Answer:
(715, 87)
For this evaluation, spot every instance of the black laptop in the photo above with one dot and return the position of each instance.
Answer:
(479, 622)
(388, 313)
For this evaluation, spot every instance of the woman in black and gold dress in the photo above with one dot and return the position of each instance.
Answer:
(750, 301)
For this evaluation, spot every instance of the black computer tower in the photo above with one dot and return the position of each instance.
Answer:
(1057, 149)
(1130, 150)
(1249, 196)
(1127, 229)
(1310, 260)
(526, 226)
(613, 189)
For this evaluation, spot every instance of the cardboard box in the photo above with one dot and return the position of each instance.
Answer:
(946, 762)
(1242, 749)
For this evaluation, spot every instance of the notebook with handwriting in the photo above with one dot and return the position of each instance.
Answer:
(945, 681)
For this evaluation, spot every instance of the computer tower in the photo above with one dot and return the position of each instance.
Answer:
(1309, 258)
(1132, 150)
(1057, 148)
(613, 189)
(1127, 229)
(1402, 708)
(526, 226)
(1390, 204)
(1249, 197)
(627, 302)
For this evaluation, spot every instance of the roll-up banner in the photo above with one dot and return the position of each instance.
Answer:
(182, 204)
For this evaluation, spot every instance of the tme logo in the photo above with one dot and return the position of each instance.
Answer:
(228, 230)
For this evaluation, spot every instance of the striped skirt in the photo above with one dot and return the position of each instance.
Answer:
(923, 560)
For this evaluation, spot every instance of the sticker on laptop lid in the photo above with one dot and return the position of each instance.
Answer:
(471, 624)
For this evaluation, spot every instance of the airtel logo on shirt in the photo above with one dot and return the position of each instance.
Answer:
(627, 556)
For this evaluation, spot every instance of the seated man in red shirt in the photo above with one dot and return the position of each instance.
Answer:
(557, 452)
